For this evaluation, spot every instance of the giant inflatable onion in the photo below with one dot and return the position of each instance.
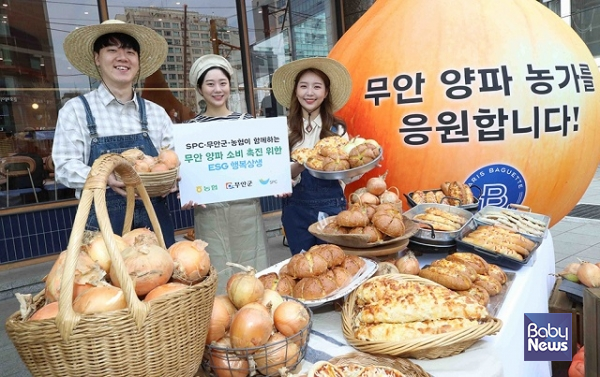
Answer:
(428, 76)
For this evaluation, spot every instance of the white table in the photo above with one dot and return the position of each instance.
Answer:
(498, 355)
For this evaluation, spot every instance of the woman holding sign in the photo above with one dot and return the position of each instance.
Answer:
(312, 89)
(234, 230)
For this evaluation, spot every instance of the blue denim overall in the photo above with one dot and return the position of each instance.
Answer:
(115, 203)
(301, 209)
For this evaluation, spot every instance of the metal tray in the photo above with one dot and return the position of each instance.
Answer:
(517, 209)
(489, 256)
(496, 301)
(345, 174)
(473, 207)
(426, 235)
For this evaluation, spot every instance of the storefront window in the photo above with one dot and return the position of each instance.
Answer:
(36, 80)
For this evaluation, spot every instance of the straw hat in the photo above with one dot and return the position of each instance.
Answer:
(79, 46)
(206, 62)
(340, 81)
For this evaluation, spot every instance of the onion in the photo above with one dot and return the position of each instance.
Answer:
(45, 312)
(271, 300)
(164, 289)
(389, 196)
(244, 287)
(291, 317)
(225, 363)
(140, 236)
(141, 166)
(278, 353)
(220, 319)
(251, 326)
(386, 268)
(87, 274)
(99, 300)
(97, 249)
(355, 196)
(589, 275)
(408, 264)
(570, 272)
(148, 266)
(191, 261)
(159, 167)
(377, 185)
(169, 158)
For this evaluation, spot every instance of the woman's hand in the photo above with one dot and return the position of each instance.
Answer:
(191, 204)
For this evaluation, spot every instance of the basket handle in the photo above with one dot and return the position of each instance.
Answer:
(95, 190)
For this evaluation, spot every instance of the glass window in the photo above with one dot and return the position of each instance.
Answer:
(176, 33)
(167, 33)
(585, 20)
(177, 42)
(157, 24)
(166, 25)
(194, 35)
(205, 35)
(175, 25)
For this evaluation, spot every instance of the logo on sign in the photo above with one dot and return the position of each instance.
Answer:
(264, 181)
(499, 185)
(547, 336)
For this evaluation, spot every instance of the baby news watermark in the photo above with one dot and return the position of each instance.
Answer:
(548, 337)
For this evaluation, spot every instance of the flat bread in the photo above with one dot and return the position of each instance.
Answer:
(374, 290)
(301, 155)
(397, 332)
(325, 369)
(412, 303)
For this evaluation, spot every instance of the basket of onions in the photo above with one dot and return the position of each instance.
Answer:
(118, 306)
(254, 330)
(159, 174)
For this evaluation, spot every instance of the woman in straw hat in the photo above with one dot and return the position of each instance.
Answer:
(113, 118)
(234, 230)
(312, 89)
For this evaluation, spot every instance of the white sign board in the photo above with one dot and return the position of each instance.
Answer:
(233, 159)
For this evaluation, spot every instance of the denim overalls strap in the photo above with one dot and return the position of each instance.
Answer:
(116, 204)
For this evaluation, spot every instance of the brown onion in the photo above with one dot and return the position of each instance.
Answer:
(140, 236)
(386, 268)
(408, 264)
(389, 196)
(244, 287)
(97, 249)
(191, 261)
(589, 275)
(164, 289)
(148, 266)
(45, 312)
(225, 363)
(377, 185)
(291, 317)
(159, 167)
(271, 300)
(251, 326)
(87, 274)
(278, 353)
(169, 158)
(99, 300)
(141, 166)
(220, 319)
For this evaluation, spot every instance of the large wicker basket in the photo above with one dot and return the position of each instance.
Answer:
(164, 337)
(426, 347)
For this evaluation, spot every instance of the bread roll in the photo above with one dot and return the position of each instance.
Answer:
(477, 293)
(497, 273)
(491, 285)
(353, 264)
(317, 287)
(333, 254)
(447, 277)
(473, 260)
(457, 266)
(306, 265)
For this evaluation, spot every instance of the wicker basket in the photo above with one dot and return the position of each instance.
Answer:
(405, 366)
(164, 337)
(226, 360)
(159, 183)
(426, 347)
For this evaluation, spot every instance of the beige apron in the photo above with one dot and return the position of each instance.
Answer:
(235, 232)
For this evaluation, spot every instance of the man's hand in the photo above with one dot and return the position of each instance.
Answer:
(116, 185)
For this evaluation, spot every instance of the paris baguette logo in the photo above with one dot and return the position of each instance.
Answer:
(548, 337)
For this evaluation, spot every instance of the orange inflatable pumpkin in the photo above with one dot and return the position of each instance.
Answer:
(499, 94)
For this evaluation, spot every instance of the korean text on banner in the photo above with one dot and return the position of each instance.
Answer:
(230, 160)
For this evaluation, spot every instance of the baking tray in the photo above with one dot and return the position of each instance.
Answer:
(489, 255)
(365, 272)
(521, 211)
(345, 174)
(574, 291)
(496, 301)
(473, 207)
(426, 235)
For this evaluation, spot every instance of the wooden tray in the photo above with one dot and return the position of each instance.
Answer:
(359, 241)
(378, 251)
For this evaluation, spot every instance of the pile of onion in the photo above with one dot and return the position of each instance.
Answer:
(95, 246)
(140, 236)
(166, 160)
(87, 275)
(169, 158)
(589, 275)
(101, 299)
(191, 261)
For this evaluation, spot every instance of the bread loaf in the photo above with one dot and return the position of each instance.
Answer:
(477, 293)
(333, 254)
(306, 265)
(447, 277)
(497, 273)
(283, 284)
(457, 266)
(317, 287)
(491, 285)
(473, 260)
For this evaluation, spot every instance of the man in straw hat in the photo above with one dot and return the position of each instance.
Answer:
(312, 89)
(113, 118)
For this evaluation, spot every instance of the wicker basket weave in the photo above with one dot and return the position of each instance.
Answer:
(426, 347)
(405, 366)
(164, 337)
